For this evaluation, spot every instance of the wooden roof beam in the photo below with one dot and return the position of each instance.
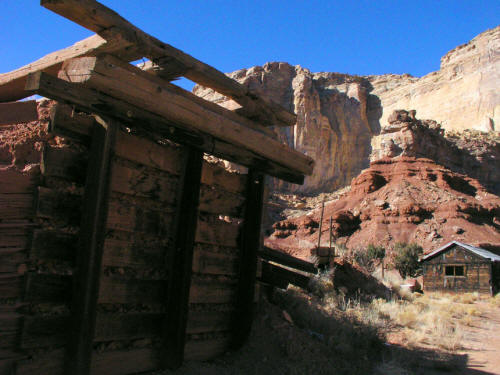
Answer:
(109, 24)
(240, 145)
(12, 83)
(123, 81)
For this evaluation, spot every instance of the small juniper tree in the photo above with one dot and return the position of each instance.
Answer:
(406, 259)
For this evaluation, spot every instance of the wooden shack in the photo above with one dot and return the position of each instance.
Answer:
(458, 267)
(124, 249)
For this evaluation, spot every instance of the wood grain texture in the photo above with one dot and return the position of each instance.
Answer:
(64, 162)
(55, 245)
(62, 207)
(114, 289)
(48, 288)
(18, 112)
(174, 328)
(212, 230)
(13, 181)
(12, 84)
(143, 182)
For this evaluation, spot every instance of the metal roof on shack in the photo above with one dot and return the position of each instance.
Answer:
(483, 253)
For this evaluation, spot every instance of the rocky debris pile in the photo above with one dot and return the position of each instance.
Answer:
(401, 199)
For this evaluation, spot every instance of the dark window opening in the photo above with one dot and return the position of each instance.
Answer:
(454, 271)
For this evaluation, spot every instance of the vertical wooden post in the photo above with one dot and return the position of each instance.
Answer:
(91, 239)
(250, 241)
(331, 235)
(321, 223)
(383, 269)
(174, 330)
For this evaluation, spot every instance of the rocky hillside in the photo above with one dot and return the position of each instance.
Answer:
(340, 114)
(401, 199)
(406, 195)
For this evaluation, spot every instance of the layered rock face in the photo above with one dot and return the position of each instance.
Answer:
(463, 94)
(338, 114)
(401, 199)
(332, 123)
(472, 153)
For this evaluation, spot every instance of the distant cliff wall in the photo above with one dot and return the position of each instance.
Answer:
(339, 114)
(463, 94)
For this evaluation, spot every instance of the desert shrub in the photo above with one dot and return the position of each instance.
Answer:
(375, 252)
(406, 259)
(341, 250)
(361, 258)
(367, 258)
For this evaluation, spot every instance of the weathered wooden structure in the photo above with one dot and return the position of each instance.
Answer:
(128, 251)
(458, 267)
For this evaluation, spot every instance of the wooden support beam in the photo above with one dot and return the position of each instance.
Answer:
(174, 332)
(128, 83)
(65, 121)
(92, 233)
(250, 242)
(281, 277)
(109, 24)
(287, 260)
(12, 84)
(250, 148)
(18, 112)
(80, 70)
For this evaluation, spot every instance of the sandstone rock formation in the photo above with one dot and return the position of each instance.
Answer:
(463, 94)
(472, 153)
(332, 123)
(401, 199)
(338, 114)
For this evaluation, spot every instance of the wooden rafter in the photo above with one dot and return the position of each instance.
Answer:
(110, 25)
(12, 83)
(214, 134)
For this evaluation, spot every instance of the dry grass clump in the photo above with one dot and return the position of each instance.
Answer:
(495, 301)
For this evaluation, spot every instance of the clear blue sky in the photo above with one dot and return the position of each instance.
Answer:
(350, 36)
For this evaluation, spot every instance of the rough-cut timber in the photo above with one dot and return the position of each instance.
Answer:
(107, 23)
(250, 242)
(12, 83)
(92, 234)
(18, 112)
(180, 269)
(239, 144)
(128, 83)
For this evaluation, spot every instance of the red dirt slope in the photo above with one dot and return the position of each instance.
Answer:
(404, 199)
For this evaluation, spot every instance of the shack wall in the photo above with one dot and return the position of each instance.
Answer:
(39, 252)
(476, 275)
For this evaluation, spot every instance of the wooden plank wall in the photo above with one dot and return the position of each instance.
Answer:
(215, 262)
(132, 291)
(35, 308)
(17, 193)
(52, 256)
(132, 295)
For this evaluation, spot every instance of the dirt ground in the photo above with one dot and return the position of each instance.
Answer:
(312, 343)
(482, 344)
